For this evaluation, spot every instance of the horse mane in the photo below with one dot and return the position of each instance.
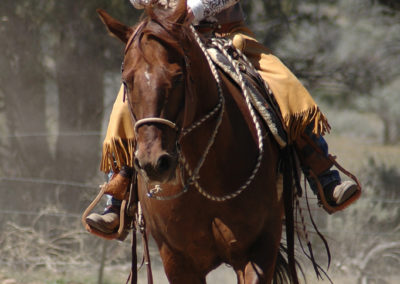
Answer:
(165, 25)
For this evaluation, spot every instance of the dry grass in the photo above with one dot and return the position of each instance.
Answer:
(353, 143)
(355, 137)
(354, 153)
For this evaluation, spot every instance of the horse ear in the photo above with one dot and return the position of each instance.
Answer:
(114, 27)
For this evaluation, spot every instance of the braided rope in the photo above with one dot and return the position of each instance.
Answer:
(194, 175)
(207, 116)
(246, 60)
(245, 94)
(302, 219)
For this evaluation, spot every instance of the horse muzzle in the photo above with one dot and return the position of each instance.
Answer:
(154, 159)
(161, 169)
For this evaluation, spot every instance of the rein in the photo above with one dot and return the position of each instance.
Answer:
(252, 113)
(193, 175)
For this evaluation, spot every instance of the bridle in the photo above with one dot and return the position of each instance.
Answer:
(154, 120)
(193, 175)
(183, 164)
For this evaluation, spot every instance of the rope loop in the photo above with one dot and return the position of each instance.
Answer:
(193, 175)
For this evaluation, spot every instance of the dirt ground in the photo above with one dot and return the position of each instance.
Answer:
(113, 275)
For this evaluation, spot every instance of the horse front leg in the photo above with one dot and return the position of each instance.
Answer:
(260, 268)
(251, 273)
(180, 270)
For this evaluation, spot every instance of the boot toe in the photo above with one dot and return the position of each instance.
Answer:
(344, 191)
(107, 223)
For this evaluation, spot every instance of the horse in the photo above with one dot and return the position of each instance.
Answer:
(208, 173)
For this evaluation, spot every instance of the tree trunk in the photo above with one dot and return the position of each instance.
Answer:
(22, 83)
(79, 77)
(386, 130)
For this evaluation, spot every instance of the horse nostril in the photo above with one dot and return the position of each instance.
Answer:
(164, 163)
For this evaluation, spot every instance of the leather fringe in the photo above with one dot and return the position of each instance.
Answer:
(117, 150)
(297, 122)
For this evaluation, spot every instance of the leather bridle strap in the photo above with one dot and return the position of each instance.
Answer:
(158, 120)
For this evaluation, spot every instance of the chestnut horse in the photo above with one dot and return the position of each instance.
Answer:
(208, 177)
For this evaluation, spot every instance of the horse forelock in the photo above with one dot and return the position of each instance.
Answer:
(167, 29)
(147, 44)
(165, 25)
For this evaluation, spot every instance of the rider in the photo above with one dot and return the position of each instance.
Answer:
(304, 121)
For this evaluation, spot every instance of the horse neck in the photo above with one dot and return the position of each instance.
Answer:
(236, 121)
(203, 82)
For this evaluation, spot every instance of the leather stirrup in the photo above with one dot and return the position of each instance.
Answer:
(122, 230)
(331, 208)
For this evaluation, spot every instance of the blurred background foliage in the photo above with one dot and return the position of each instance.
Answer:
(59, 75)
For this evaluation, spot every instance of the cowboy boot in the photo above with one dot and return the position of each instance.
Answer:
(119, 183)
(313, 154)
(108, 221)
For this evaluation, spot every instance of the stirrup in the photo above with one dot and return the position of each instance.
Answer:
(121, 233)
(334, 208)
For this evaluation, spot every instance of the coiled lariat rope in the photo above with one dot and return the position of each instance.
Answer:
(193, 176)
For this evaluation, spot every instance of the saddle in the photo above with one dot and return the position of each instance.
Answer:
(239, 70)
(234, 64)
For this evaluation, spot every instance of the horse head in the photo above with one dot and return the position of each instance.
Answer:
(157, 77)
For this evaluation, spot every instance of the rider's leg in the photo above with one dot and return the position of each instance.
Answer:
(298, 110)
(118, 152)
(313, 154)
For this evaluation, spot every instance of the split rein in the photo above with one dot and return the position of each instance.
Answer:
(193, 175)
